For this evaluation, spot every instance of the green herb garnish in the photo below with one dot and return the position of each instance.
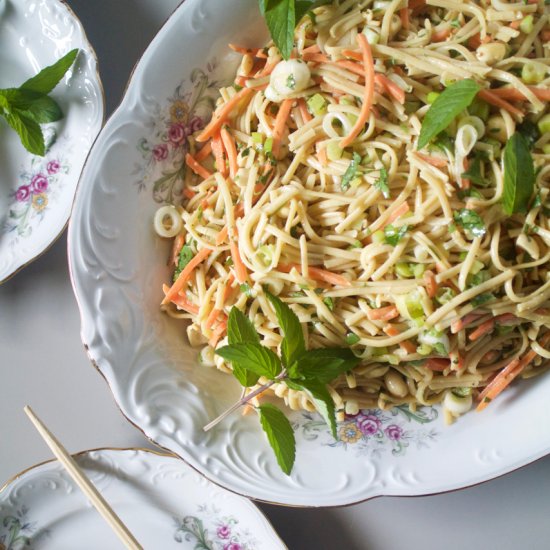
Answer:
(382, 183)
(519, 175)
(392, 234)
(185, 256)
(450, 103)
(481, 299)
(471, 221)
(474, 173)
(350, 172)
(27, 107)
(308, 371)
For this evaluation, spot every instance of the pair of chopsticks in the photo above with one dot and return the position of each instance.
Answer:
(87, 487)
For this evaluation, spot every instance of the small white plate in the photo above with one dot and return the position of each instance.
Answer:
(36, 193)
(164, 503)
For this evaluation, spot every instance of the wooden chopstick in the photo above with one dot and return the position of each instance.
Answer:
(84, 483)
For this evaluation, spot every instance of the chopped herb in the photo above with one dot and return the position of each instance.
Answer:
(455, 23)
(352, 338)
(392, 234)
(350, 172)
(471, 221)
(245, 152)
(356, 244)
(481, 299)
(291, 81)
(329, 302)
(185, 256)
(245, 289)
(229, 261)
(474, 172)
(382, 183)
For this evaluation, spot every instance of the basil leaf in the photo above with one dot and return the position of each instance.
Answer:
(280, 17)
(471, 221)
(323, 402)
(293, 344)
(240, 329)
(323, 364)
(29, 132)
(393, 235)
(382, 183)
(450, 103)
(253, 357)
(351, 171)
(185, 256)
(48, 78)
(280, 435)
(519, 175)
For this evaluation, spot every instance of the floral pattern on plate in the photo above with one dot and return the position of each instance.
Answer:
(39, 186)
(373, 431)
(211, 530)
(16, 529)
(164, 150)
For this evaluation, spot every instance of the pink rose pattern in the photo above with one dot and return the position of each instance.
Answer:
(31, 196)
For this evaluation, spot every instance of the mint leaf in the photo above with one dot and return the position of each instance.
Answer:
(185, 256)
(322, 400)
(382, 183)
(519, 175)
(474, 173)
(293, 344)
(279, 434)
(253, 357)
(323, 364)
(351, 171)
(471, 221)
(450, 103)
(43, 110)
(48, 78)
(29, 132)
(240, 329)
(280, 17)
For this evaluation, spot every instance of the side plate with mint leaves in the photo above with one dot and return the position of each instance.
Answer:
(51, 109)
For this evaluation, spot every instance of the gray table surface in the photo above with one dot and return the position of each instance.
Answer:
(43, 363)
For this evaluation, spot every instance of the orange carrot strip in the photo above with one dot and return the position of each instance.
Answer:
(196, 167)
(317, 57)
(317, 274)
(188, 193)
(403, 208)
(176, 249)
(353, 54)
(406, 345)
(240, 269)
(495, 100)
(351, 66)
(437, 364)
(368, 95)
(515, 25)
(474, 42)
(431, 284)
(228, 287)
(441, 34)
(482, 329)
(404, 16)
(211, 319)
(231, 149)
(383, 313)
(217, 334)
(392, 88)
(515, 95)
(217, 149)
(461, 324)
(182, 302)
(312, 49)
(222, 113)
(438, 162)
(306, 116)
(322, 155)
(183, 277)
(222, 235)
(204, 152)
(280, 123)
(465, 183)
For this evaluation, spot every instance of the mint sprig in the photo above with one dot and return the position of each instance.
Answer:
(519, 175)
(282, 16)
(300, 369)
(28, 106)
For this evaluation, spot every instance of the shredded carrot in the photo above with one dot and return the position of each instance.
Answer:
(437, 364)
(311, 49)
(306, 117)
(204, 152)
(438, 162)
(217, 333)
(465, 183)
(188, 193)
(279, 128)
(353, 54)
(489, 357)
(228, 288)
(368, 95)
(404, 16)
(515, 25)
(222, 235)
(217, 149)
(406, 345)
(182, 302)
(222, 113)
(183, 277)
(383, 313)
(403, 208)
(391, 87)
(351, 66)
(431, 284)
(488, 325)
(322, 155)
(461, 324)
(211, 319)
(196, 167)
(231, 149)
(515, 95)
(474, 42)
(441, 34)
(205, 204)
(317, 57)
(179, 241)
(243, 50)
(317, 274)
(240, 269)
(416, 4)
(490, 97)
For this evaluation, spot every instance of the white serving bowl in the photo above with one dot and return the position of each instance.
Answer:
(118, 266)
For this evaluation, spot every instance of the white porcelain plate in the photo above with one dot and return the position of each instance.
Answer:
(36, 193)
(119, 265)
(163, 502)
